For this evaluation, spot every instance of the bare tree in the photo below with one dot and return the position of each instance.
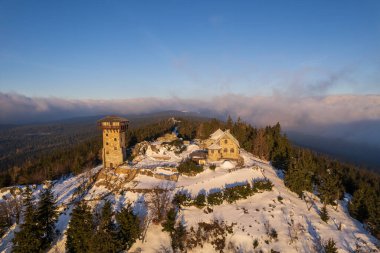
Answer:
(159, 202)
(308, 200)
(260, 146)
(10, 212)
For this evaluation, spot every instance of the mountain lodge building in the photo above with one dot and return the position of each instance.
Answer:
(222, 145)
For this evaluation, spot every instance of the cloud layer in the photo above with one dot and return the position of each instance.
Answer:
(317, 115)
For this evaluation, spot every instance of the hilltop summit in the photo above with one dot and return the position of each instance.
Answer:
(225, 206)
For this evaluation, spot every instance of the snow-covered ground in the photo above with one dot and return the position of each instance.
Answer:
(298, 228)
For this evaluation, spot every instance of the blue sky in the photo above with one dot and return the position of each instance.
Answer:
(188, 49)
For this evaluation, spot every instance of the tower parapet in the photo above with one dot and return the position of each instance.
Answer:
(114, 150)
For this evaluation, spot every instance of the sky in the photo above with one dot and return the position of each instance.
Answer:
(314, 66)
(188, 49)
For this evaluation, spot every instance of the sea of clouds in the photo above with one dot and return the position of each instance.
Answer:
(343, 116)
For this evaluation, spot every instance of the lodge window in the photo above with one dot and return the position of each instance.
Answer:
(225, 141)
(106, 134)
(225, 150)
(106, 143)
(107, 152)
(212, 151)
(114, 139)
(232, 150)
(115, 148)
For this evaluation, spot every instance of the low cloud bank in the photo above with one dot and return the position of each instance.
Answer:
(338, 116)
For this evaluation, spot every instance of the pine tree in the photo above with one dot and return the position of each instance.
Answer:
(27, 240)
(330, 186)
(169, 224)
(330, 247)
(230, 123)
(324, 214)
(104, 239)
(179, 238)
(128, 227)
(373, 221)
(299, 176)
(80, 229)
(358, 206)
(364, 207)
(46, 216)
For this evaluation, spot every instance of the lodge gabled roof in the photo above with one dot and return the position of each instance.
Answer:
(219, 134)
(216, 135)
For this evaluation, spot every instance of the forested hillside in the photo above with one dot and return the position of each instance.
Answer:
(34, 153)
(304, 169)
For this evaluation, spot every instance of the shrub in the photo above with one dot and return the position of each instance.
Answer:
(189, 167)
(200, 200)
(181, 199)
(237, 192)
(324, 214)
(215, 198)
(212, 167)
(244, 190)
(330, 247)
(176, 143)
(273, 233)
(214, 233)
(262, 185)
(230, 195)
(255, 243)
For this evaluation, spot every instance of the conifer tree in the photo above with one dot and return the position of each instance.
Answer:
(169, 224)
(104, 239)
(46, 216)
(365, 207)
(80, 229)
(324, 214)
(299, 176)
(329, 246)
(330, 186)
(27, 240)
(358, 206)
(179, 238)
(128, 227)
(230, 123)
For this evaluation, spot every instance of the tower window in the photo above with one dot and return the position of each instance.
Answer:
(232, 150)
(107, 152)
(114, 139)
(225, 150)
(106, 134)
(106, 143)
(115, 148)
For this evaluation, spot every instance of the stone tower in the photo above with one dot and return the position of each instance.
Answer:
(114, 144)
